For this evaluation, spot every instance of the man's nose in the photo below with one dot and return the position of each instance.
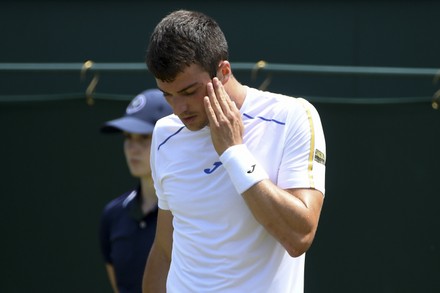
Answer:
(179, 105)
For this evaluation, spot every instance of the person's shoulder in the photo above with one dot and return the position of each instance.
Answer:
(167, 127)
(168, 124)
(117, 203)
(169, 121)
(275, 101)
(268, 96)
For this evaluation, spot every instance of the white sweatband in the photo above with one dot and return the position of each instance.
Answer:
(242, 167)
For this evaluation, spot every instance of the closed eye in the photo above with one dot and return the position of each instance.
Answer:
(188, 93)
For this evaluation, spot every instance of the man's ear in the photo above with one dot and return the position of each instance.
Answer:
(224, 71)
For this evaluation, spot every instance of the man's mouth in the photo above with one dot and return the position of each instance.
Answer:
(188, 119)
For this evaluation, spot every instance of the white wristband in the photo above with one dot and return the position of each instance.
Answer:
(242, 167)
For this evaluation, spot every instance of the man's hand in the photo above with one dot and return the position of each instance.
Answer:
(224, 117)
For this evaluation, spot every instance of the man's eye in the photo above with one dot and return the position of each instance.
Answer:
(189, 93)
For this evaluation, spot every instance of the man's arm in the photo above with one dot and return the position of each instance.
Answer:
(158, 263)
(291, 216)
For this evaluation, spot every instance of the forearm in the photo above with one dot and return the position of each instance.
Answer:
(156, 272)
(290, 216)
(112, 277)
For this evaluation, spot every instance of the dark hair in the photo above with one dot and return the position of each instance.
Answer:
(184, 38)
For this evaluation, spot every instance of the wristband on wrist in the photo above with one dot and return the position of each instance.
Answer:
(242, 167)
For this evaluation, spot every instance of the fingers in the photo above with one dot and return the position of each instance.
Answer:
(223, 116)
(219, 100)
(210, 112)
(222, 97)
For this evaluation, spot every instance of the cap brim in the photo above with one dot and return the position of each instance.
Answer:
(127, 124)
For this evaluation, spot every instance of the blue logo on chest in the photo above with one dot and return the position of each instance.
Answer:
(216, 165)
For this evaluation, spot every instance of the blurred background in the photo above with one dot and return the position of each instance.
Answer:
(379, 229)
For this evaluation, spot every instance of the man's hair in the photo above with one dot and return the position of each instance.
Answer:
(184, 38)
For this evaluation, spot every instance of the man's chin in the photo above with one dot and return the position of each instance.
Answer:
(195, 126)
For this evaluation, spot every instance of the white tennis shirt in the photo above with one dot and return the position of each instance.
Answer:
(218, 246)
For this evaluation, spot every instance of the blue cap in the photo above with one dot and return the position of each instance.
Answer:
(141, 114)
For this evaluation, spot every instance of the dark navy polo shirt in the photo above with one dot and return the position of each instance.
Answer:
(126, 236)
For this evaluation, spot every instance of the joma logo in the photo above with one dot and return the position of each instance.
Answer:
(210, 170)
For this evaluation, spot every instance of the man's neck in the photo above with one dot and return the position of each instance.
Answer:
(236, 91)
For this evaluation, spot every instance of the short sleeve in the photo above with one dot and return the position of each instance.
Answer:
(303, 163)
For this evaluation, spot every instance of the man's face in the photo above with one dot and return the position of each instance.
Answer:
(185, 95)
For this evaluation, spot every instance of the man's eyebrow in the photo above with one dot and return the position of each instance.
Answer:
(182, 90)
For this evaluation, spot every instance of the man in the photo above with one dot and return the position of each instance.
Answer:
(239, 172)
(128, 222)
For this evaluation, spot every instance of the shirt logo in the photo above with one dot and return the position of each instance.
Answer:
(216, 165)
(319, 157)
(252, 169)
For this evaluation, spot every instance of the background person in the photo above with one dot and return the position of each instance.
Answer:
(128, 222)
(240, 173)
